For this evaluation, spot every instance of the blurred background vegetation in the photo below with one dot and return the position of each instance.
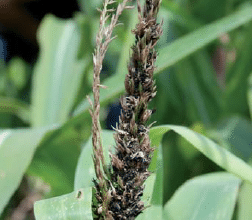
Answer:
(203, 82)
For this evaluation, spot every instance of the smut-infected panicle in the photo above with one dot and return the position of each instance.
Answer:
(133, 150)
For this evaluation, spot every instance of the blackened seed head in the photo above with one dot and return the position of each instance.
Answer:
(115, 207)
(141, 129)
(120, 155)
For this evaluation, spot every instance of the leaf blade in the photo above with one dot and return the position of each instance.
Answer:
(16, 151)
(210, 196)
(85, 163)
(214, 152)
(75, 205)
(58, 69)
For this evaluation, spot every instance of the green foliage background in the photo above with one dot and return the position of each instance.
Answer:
(46, 124)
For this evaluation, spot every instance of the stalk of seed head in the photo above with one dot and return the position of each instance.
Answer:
(133, 150)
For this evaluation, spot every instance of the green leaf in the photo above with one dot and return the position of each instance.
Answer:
(148, 194)
(57, 73)
(155, 209)
(17, 72)
(3, 76)
(149, 189)
(60, 183)
(244, 208)
(208, 81)
(86, 33)
(89, 6)
(154, 184)
(249, 94)
(210, 196)
(177, 166)
(174, 52)
(237, 78)
(85, 168)
(195, 98)
(235, 134)
(152, 212)
(213, 151)
(16, 151)
(192, 42)
(181, 16)
(55, 160)
(76, 205)
(187, 150)
(244, 201)
(157, 198)
(16, 107)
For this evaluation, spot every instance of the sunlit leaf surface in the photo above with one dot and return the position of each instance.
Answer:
(210, 149)
(73, 206)
(208, 197)
(16, 151)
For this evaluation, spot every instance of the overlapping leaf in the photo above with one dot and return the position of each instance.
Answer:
(210, 149)
(210, 196)
(73, 206)
(16, 151)
(57, 74)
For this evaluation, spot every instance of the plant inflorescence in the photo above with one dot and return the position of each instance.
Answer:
(119, 195)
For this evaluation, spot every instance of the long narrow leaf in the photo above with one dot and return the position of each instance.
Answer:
(16, 150)
(249, 94)
(213, 151)
(85, 168)
(244, 201)
(208, 197)
(192, 42)
(75, 206)
(57, 73)
(235, 133)
(154, 208)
